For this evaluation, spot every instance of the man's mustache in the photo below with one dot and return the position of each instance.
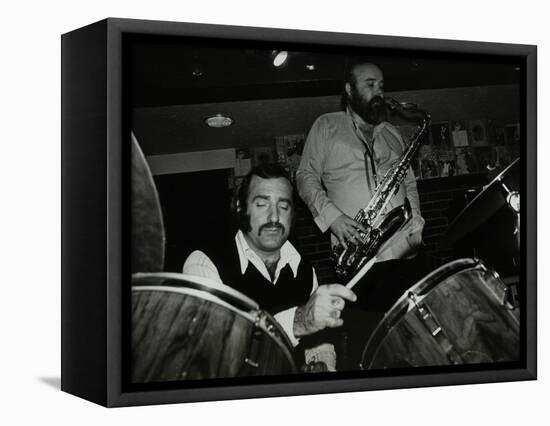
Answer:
(377, 101)
(271, 226)
(377, 105)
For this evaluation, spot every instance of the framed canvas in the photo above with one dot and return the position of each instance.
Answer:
(177, 286)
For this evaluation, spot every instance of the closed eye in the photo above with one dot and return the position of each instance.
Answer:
(284, 205)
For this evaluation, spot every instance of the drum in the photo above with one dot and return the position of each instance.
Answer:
(185, 327)
(147, 226)
(458, 314)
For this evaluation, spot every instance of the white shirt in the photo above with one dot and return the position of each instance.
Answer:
(199, 264)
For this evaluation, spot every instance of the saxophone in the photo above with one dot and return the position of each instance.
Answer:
(380, 227)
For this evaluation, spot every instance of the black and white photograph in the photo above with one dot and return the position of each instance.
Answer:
(226, 212)
(331, 256)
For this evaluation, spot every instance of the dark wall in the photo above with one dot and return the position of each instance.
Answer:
(172, 129)
(196, 209)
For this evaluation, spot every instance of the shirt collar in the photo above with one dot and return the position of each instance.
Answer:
(289, 255)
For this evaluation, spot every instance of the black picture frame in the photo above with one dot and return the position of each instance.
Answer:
(95, 235)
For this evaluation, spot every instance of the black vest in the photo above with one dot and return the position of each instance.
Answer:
(274, 298)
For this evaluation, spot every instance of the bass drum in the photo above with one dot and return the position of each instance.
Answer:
(458, 314)
(185, 327)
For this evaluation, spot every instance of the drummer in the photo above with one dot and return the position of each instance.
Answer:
(260, 262)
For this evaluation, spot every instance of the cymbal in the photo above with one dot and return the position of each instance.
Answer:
(148, 238)
(490, 200)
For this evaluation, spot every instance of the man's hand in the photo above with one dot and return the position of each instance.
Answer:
(323, 309)
(346, 229)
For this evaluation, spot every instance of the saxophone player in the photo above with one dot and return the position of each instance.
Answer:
(345, 155)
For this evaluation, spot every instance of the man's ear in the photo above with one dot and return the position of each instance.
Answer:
(348, 89)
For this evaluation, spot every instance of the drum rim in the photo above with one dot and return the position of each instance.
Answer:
(195, 292)
(448, 269)
(217, 288)
(402, 304)
(254, 315)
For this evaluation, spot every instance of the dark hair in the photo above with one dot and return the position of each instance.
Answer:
(265, 171)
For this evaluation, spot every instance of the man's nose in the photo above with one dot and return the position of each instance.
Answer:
(274, 214)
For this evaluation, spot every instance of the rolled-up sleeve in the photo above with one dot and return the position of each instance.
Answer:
(200, 265)
(309, 174)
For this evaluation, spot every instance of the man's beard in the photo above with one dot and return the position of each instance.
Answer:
(373, 112)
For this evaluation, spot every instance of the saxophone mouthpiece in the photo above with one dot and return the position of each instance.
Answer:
(392, 103)
(406, 110)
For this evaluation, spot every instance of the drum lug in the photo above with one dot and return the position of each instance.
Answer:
(251, 363)
(434, 328)
(481, 265)
(428, 319)
(259, 325)
(500, 290)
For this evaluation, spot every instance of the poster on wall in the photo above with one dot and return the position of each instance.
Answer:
(243, 162)
(466, 161)
(441, 135)
(289, 152)
(478, 132)
(459, 133)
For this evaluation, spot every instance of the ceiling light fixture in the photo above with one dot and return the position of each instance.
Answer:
(198, 70)
(279, 57)
(218, 121)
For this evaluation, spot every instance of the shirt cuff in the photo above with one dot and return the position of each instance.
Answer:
(327, 216)
(286, 320)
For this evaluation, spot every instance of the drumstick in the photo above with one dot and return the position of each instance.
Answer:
(361, 273)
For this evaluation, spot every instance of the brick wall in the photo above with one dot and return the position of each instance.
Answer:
(440, 201)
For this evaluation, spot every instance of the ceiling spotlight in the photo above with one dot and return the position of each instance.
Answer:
(219, 121)
(198, 70)
(279, 57)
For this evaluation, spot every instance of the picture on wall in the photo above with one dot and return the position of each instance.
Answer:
(441, 135)
(466, 161)
(289, 152)
(459, 133)
(478, 132)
